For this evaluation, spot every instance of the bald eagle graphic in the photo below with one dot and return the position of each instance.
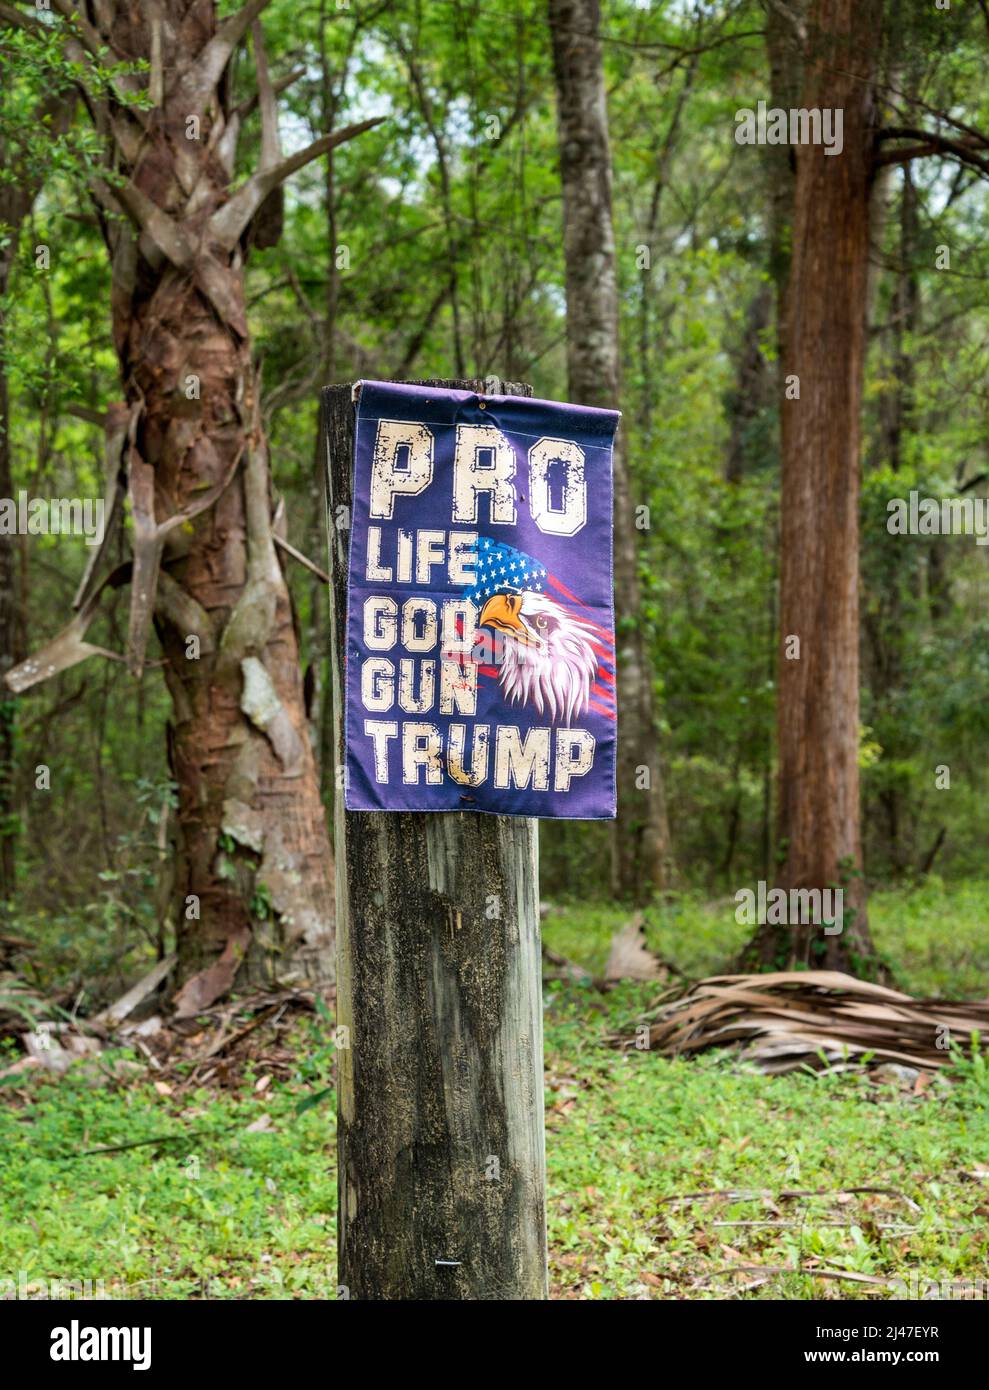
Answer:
(547, 658)
(547, 654)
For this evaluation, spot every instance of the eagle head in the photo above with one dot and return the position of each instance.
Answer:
(546, 653)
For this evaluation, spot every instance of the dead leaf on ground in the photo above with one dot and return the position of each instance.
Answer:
(630, 957)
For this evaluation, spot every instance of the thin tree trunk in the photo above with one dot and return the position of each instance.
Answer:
(885, 629)
(818, 710)
(641, 857)
(9, 654)
(753, 390)
(17, 195)
(322, 713)
(648, 348)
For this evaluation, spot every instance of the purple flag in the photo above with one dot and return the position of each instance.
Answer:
(480, 621)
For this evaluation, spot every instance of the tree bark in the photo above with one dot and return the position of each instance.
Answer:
(641, 854)
(253, 886)
(818, 705)
(440, 1071)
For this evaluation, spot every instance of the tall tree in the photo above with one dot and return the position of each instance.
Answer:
(253, 880)
(33, 78)
(885, 622)
(641, 845)
(825, 340)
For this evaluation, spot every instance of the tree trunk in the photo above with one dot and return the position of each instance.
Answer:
(440, 1071)
(885, 627)
(752, 394)
(254, 872)
(641, 857)
(53, 114)
(818, 709)
(785, 44)
(8, 626)
(321, 713)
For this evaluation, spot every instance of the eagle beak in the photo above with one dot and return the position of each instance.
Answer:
(502, 612)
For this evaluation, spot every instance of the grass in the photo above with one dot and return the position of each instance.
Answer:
(626, 1133)
(211, 1208)
(936, 935)
(214, 1208)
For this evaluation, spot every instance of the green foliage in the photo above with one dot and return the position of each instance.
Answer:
(431, 247)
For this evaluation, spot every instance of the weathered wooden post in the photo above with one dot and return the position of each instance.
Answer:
(440, 1078)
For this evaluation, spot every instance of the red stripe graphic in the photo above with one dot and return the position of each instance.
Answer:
(608, 637)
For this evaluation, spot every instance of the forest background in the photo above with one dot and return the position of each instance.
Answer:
(430, 245)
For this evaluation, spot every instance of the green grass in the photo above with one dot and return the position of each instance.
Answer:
(254, 1215)
(218, 1212)
(936, 936)
(699, 938)
(626, 1131)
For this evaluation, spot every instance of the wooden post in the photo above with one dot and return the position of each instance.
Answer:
(440, 1091)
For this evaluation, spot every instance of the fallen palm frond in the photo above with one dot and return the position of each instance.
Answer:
(816, 1018)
